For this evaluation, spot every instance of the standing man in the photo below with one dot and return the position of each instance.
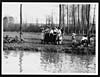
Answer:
(74, 42)
(42, 36)
(55, 30)
(59, 36)
(51, 35)
(84, 40)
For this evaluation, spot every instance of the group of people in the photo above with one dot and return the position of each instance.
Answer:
(8, 39)
(85, 40)
(53, 35)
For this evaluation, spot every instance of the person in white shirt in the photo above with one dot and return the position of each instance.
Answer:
(55, 30)
(92, 40)
(42, 35)
(51, 31)
(74, 42)
(84, 40)
(73, 36)
(59, 36)
(51, 35)
(55, 34)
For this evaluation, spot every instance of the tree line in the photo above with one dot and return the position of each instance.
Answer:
(79, 19)
(74, 18)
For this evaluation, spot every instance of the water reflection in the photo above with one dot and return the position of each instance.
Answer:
(46, 62)
(69, 63)
(10, 62)
(20, 61)
(50, 61)
(48, 57)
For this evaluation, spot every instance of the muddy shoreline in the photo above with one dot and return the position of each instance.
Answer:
(65, 48)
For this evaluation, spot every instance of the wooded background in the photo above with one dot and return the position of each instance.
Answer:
(72, 18)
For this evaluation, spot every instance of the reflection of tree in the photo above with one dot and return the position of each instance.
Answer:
(50, 57)
(20, 60)
(6, 53)
(51, 61)
(85, 61)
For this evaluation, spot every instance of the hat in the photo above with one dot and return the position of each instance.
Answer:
(73, 33)
(58, 27)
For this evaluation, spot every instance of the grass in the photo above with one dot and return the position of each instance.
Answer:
(32, 43)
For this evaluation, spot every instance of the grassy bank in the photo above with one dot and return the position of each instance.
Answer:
(48, 48)
(32, 43)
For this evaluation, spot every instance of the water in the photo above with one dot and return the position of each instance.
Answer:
(29, 62)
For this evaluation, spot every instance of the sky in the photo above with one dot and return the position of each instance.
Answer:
(33, 11)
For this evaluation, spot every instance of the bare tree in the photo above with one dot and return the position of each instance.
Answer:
(20, 21)
(37, 22)
(52, 20)
(87, 17)
(94, 18)
(60, 15)
(61, 18)
(46, 21)
(82, 18)
(73, 16)
(78, 19)
(94, 15)
(63, 21)
(67, 20)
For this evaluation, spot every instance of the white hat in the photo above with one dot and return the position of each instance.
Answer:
(73, 33)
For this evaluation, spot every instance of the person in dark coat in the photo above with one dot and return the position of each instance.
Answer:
(55, 30)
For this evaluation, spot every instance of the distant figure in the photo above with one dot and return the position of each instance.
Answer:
(59, 36)
(84, 40)
(73, 36)
(51, 31)
(92, 40)
(47, 35)
(59, 31)
(51, 35)
(14, 39)
(42, 35)
(6, 39)
(47, 30)
(74, 42)
(55, 30)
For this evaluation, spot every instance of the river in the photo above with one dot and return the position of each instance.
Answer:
(31, 62)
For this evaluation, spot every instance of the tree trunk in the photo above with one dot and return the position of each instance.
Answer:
(94, 18)
(73, 16)
(63, 23)
(67, 21)
(87, 18)
(60, 15)
(78, 19)
(52, 20)
(20, 21)
(82, 19)
(46, 21)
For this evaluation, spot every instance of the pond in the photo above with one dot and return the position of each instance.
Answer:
(31, 62)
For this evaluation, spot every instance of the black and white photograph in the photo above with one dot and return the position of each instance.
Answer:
(50, 38)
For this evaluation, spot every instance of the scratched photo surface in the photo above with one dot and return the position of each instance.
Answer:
(49, 38)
